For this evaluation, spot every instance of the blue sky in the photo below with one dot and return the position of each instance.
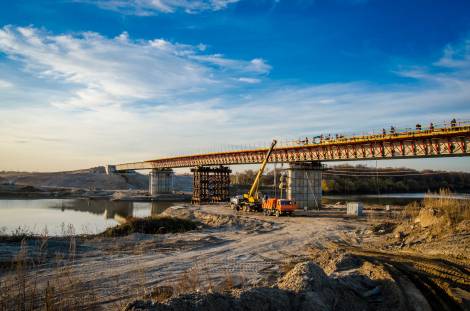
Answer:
(88, 82)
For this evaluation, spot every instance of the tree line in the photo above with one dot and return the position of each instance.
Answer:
(359, 179)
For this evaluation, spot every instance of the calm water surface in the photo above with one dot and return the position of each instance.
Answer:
(59, 216)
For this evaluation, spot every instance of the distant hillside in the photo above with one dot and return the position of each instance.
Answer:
(183, 183)
(93, 178)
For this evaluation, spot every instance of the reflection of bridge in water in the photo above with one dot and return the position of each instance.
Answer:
(305, 158)
(115, 209)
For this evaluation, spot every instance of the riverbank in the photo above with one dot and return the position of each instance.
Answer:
(250, 259)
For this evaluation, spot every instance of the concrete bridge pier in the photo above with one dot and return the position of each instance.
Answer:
(304, 184)
(161, 181)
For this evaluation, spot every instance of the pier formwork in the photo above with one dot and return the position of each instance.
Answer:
(211, 184)
(304, 184)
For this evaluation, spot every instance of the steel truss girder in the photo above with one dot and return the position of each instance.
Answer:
(442, 144)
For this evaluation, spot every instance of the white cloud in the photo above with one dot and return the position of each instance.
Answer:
(117, 71)
(5, 84)
(456, 56)
(259, 65)
(152, 7)
(249, 80)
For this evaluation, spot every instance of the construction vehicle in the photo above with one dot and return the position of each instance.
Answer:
(252, 200)
(278, 207)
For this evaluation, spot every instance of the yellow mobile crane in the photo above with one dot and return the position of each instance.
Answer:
(251, 201)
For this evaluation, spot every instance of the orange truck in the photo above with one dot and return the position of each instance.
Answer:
(278, 207)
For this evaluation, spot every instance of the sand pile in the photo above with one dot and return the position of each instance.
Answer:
(305, 287)
(334, 259)
(258, 299)
(436, 231)
(190, 212)
(225, 221)
(305, 277)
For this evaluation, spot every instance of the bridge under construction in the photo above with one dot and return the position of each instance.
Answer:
(304, 158)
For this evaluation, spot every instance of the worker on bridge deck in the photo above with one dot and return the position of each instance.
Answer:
(392, 130)
(453, 123)
(431, 126)
(418, 127)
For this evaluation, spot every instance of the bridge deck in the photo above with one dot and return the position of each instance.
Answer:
(438, 142)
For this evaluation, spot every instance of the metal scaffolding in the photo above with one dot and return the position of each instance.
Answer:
(211, 184)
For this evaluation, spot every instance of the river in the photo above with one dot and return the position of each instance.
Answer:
(82, 216)
(65, 216)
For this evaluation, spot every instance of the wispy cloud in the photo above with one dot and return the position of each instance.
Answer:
(249, 80)
(256, 65)
(152, 7)
(104, 71)
(5, 84)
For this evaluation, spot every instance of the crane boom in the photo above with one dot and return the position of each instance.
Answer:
(254, 187)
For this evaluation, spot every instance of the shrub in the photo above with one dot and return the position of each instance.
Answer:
(455, 209)
(151, 225)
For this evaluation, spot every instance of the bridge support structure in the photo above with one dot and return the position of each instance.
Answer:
(161, 181)
(211, 184)
(304, 184)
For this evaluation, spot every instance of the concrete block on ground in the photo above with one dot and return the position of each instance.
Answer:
(354, 208)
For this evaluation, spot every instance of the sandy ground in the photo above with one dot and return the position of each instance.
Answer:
(250, 247)
(254, 251)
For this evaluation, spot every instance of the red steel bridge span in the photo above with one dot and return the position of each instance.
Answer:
(445, 141)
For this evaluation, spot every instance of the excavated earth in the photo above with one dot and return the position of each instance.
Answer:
(323, 261)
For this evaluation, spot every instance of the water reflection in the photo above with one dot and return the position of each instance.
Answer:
(112, 208)
(86, 216)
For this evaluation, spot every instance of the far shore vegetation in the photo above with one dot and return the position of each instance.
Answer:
(347, 179)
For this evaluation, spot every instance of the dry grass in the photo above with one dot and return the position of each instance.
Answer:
(199, 279)
(40, 280)
(410, 211)
(444, 201)
(21, 288)
(456, 210)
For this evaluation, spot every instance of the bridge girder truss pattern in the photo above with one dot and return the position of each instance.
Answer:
(445, 142)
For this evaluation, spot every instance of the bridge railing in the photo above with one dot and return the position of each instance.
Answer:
(442, 126)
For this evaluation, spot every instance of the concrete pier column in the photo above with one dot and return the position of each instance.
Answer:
(304, 184)
(161, 181)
